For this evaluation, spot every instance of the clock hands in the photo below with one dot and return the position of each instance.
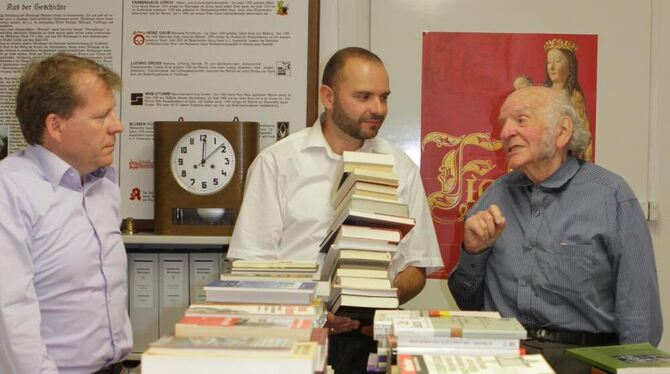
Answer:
(211, 153)
(204, 146)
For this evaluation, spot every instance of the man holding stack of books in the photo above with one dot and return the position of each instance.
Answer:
(286, 211)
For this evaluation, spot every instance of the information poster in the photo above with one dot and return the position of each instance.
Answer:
(207, 61)
(31, 30)
(198, 60)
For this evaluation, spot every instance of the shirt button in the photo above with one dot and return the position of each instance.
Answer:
(523, 283)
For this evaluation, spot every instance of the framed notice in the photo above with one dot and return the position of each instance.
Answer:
(212, 61)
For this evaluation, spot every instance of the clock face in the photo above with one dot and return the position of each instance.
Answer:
(203, 162)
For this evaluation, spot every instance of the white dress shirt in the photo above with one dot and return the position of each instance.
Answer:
(63, 274)
(286, 210)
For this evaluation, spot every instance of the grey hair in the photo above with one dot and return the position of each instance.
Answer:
(562, 106)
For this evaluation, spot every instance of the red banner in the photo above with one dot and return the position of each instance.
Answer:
(465, 79)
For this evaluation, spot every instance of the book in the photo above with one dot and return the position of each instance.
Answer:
(361, 218)
(337, 256)
(302, 357)
(624, 358)
(362, 237)
(467, 327)
(441, 345)
(366, 160)
(380, 191)
(361, 270)
(373, 205)
(386, 235)
(361, 308)
(320, 336)
(271, 327)
(278, 269)
(307, 266)
(383, 321)
(345, 181)
(171, 344)
(363, 286)
(428, 364)
(314, 310)
(261, 291)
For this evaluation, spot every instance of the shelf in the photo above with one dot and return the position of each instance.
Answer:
(140, 239)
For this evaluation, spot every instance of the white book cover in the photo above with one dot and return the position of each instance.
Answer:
(467, 327)
(426, 364)
(383, 321)
(261, 291)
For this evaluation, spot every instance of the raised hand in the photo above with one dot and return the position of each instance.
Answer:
(482, 229)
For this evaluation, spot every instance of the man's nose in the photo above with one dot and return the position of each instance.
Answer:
(508, 130)
(116, 126)
(379, 106)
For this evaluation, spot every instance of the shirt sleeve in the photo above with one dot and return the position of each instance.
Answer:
(420, 247)
(258, 229)
(22, 349)
(466, 281)
(637, 303)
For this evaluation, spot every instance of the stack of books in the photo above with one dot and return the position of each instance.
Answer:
(241, 270)
(457, 335)
(272, 315)
(370, 221)
(387, 343)
(437, 341)
(205, 355)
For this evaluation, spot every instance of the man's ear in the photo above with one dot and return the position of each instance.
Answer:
(564, 132)
(53, 127)
(327, 96)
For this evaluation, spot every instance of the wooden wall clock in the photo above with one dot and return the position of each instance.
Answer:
(199, 174)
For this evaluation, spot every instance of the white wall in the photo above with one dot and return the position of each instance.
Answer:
(632, 103)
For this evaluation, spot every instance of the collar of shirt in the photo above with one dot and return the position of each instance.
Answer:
(315, 139)
(58, 172)
(556, 181)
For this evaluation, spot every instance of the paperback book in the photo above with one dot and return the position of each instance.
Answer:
(624, 358)
(466, 327)
(261, 291)
(441, 364)
(383, 321)
(296, 328)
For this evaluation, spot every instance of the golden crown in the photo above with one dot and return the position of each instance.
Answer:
(560, 44)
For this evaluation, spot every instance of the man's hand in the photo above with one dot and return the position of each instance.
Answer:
(482, 229)
(339, 324)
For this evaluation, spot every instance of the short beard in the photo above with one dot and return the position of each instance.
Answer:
(351, 126)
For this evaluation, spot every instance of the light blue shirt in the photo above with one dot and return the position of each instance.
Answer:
(63, 271)
(576, 254)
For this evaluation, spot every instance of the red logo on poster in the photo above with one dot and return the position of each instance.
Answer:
(135, 194)
(138, 38)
